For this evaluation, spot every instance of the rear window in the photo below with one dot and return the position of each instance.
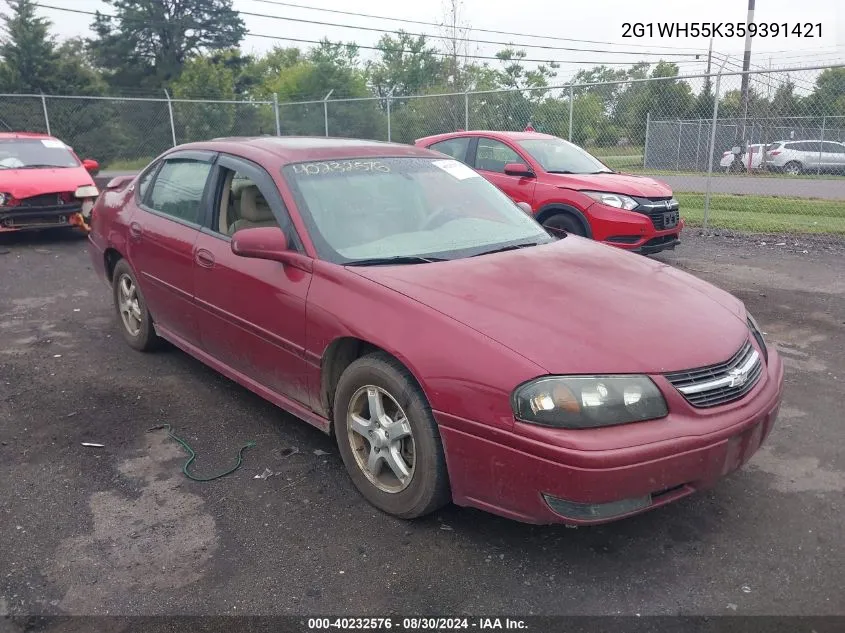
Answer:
(32, 153)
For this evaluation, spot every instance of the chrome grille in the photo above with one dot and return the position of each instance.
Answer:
(721, 383)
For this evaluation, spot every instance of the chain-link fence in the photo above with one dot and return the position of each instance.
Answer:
(761, 156)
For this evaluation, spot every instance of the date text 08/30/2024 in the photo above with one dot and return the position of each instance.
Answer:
(418, 624)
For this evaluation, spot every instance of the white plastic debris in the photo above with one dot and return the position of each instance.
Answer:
(746, 589)
(781, 244)
(93, 445)
(267, 473)
(319, 452)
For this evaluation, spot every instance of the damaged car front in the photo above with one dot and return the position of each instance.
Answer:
(43, 184)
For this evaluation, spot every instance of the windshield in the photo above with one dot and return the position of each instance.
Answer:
(372, 209)
(562, 157)
(23, 153)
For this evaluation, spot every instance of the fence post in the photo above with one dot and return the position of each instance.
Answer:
(46, 117)
(170, 111)
(571, 107)
(326, 110)
(276, 114)
(647, 130)
(678, 153)
(708, 188)
(821, 148)
(466, 110)
(389, 99)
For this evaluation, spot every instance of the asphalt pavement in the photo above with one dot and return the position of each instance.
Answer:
(823, 188)
(118, 529)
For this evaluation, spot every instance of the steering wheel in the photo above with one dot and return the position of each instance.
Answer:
(440, 217)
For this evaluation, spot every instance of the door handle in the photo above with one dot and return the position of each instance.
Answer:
(135, 230)
(204, 258)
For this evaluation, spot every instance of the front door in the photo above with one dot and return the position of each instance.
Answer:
(491, 156)
(251, 312)
(162, 232)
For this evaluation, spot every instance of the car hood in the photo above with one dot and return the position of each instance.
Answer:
(626, 184)
(25, 183)
(576, 306)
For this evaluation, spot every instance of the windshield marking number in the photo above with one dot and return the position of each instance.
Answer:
(333, 167)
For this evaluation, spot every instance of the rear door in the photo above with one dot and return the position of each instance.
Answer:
(489, 156)
(832, 156)
(457, 148)
(162, 232)
(251, 312)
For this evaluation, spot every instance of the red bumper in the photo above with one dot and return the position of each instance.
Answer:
(631, 231)
(510, 474)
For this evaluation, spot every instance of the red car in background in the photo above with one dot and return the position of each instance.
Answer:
(454, 349)
(568, 189)
(43, 184)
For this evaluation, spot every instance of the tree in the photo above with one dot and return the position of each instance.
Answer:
(146, 42)
(407, 65)
(27, 50)
(828, 98)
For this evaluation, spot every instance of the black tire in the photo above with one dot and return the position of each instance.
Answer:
(564, 223)
(736, 167)
(428, 488)
(145, 339)
(793, 168)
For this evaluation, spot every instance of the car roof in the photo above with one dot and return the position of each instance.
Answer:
(293, 149)
(496, 134)
(24, 135)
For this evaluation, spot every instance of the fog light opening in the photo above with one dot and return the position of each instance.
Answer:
(596, 511)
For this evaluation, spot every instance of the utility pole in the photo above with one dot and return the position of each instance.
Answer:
(707, 83)
(746, 64)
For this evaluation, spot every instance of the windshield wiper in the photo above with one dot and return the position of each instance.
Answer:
(512, 247)
(399, 259)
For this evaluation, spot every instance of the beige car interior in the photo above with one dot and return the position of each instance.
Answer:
(243, 206)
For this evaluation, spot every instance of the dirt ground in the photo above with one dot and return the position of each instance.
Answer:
(119, 530)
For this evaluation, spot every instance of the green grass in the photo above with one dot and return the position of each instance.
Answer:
(127, 164)
(617, 150)
(765, 214)
(718, 173)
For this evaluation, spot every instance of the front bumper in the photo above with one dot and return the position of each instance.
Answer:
(28, 218)
(514, 474)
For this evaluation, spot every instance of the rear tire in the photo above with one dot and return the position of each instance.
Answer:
(135, 321)
(793, 168)
(561, 224)
(388, 438)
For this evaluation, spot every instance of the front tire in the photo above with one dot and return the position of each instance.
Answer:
(388, 438)
(562, 224)
(136, 324)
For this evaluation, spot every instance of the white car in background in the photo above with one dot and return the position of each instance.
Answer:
(751, 160)
(795, 157)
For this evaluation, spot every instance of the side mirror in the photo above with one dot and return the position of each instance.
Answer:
(264, 242)
(526, 208)
(518, 169)
(91, 165)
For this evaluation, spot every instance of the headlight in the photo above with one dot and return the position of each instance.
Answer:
(613, 199)
(583, 402)
(4, 198)
(86, 191)
(758, 336)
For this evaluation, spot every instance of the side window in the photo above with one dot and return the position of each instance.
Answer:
(494, 155)
(145, 180)
(246, 198)
(810, 146)
(454, 147)
(178, 189)
(833, 148)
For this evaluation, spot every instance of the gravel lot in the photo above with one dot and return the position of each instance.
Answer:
(119, 530)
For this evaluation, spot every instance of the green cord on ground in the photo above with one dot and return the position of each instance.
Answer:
(192, 455)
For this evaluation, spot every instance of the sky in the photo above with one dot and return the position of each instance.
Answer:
(558, 21)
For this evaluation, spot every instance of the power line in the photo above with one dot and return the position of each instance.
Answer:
(469, 28)
(475, 41)
(375, 48)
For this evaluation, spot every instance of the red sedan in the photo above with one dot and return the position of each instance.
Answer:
(455, 350)
(569, 190)
(43, 184)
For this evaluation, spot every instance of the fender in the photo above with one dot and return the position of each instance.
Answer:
(556, 207)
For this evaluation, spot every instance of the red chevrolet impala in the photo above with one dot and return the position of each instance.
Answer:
(455, 350)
